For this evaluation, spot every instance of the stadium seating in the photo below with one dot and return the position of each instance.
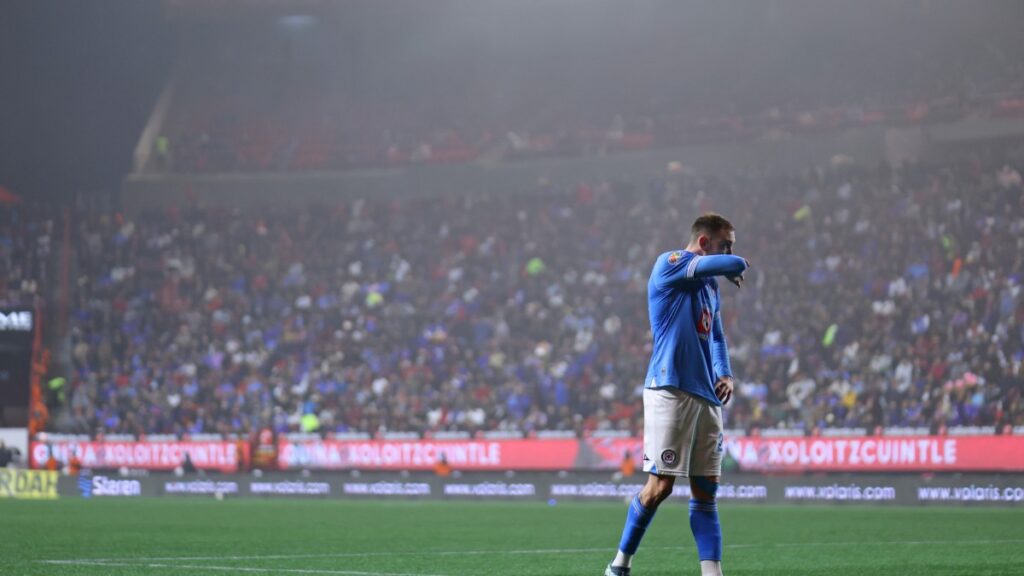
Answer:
(256, 101)
(26, 249)
(877, 298)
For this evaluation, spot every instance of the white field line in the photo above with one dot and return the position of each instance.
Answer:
(878, 543)
(367, 554)
(513, 552)
(203, 567)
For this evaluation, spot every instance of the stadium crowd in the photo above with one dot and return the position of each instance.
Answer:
(26, 248)
(877, 297)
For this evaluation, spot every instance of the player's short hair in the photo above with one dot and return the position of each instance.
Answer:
(710, 224)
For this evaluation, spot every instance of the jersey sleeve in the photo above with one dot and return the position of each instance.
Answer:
(720, 347)
(676, 269)
(673, 269)
(718, 265)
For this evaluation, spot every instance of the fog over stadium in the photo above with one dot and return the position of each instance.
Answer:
(451, 250)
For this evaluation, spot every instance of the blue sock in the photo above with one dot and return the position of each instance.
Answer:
(707, 532)
(637, 521)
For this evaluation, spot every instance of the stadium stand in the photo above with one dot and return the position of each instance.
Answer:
(878, 298)
(295, 96)
(26, 243)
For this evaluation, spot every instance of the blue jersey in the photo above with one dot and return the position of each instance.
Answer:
(690, 351)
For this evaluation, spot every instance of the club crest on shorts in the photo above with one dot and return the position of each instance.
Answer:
(669, 457)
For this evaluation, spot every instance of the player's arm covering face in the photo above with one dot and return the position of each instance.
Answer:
(680, 269)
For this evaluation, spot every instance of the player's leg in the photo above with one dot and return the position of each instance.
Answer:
(705, 471)
(707, 531)
(658, 488)
(664, 439)
(638, 518)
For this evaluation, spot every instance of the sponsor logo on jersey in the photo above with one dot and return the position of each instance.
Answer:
(704, 324)
(674, 257)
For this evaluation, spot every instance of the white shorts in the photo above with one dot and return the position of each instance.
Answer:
(682, 434)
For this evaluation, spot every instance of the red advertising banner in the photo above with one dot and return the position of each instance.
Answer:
(608, 453)
(214, 455)
(423, 454)
(756, 454)
(879, 454)
(863, 454)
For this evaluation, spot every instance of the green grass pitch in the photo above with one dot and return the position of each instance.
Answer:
(167, 537)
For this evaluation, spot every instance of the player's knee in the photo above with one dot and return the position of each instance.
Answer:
(656, 491)
(662, 493)
(704, 488)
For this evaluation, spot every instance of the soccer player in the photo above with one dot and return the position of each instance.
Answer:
(688, 381)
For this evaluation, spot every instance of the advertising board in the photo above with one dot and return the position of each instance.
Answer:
(219, 455)
(28, 484)
(752, 454)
